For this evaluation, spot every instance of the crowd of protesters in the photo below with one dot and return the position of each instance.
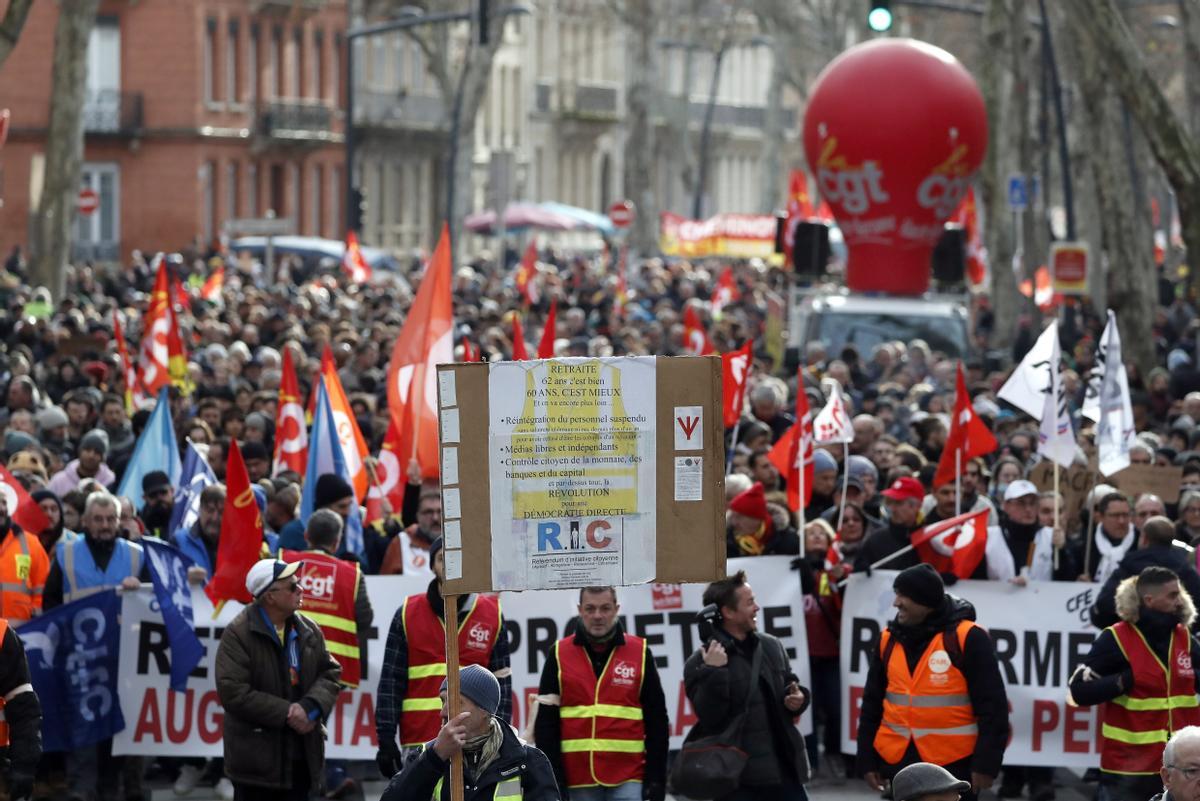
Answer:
(66, 429)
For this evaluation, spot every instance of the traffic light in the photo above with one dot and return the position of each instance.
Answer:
(879, 18)
(358, 209)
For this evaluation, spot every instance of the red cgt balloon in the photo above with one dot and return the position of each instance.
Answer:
(894, 130)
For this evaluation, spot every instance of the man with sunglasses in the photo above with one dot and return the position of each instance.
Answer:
(278, 683)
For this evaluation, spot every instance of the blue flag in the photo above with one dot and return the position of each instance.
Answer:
(73, 661)
(168, 571)
(325, 456)
(156, 450)
(196, 475)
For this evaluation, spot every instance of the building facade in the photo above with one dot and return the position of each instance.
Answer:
(197, 113)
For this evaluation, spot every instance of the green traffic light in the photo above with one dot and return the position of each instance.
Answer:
(880, 19)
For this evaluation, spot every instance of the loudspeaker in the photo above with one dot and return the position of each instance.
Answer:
(810, 248)
(950, 255)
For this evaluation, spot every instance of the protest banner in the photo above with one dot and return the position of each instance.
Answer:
(159, 722)
(1037, 653)
(1137, 479)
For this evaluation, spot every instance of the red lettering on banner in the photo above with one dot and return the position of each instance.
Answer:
(1078, 720)
(179, 734)
(856, 694)
(148, 725)
(364, 722)
(685, 716)
(339, 709)
(211, 725)
(1045, 720)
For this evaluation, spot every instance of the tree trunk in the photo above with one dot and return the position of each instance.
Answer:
(772, 162)
(641, 79)
(1189, 17)
(11, 25)
(1100, 22)
(64, 144)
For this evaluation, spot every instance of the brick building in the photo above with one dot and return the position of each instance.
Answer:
(197, 111)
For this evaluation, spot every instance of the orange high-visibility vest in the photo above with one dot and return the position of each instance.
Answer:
(24, 567)
(603, 734)
(931, 707)
(1162, 700)
(330, 588)
(425, 632)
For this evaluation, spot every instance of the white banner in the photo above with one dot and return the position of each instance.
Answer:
(161, 722)
(1041, 633)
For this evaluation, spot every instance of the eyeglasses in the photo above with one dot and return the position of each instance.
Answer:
(1189, 774)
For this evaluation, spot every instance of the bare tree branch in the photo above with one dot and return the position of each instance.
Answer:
(11, 25)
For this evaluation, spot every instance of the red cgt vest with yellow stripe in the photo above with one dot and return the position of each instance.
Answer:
(1162, 701)
(330, 588)
(425, 632)
(603, 734)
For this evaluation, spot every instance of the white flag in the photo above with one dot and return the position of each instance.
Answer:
(1112, 407)
(1027, 386)
(1056, 440)
(833, 423)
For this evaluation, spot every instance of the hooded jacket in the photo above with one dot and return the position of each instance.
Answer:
(985, 686)
(1108, 673)
(1173, 557)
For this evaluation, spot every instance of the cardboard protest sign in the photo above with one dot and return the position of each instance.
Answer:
(1138, 479)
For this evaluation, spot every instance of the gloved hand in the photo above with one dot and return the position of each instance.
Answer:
(949, 579)
(20, 786)
(389, 762)
(654, 791)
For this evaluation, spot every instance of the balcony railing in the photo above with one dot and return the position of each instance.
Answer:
(111, 111)
(296, 121)
(590, 101)
(285, 6)
(399, 111)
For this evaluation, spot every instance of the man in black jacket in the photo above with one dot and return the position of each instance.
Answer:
(903, 499)
(892, 734)
(23, 713)
(599, 634)
(1156, 548)
(719, 684)
(495, 763)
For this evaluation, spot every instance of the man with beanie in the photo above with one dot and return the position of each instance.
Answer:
(934, 692)
(825, 473)
(57, 531)
(158, 502)
(52, 429)
(496, 765)
(278, 683)
(335, 493)
(93, 449)
(257, 459)
(742, 668)
(602, 669)
(414, 662)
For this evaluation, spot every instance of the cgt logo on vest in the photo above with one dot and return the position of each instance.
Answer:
(317, 582)
(939, 665)
(479, 637)
(577, 535)
(1184, 663)
(623, 673)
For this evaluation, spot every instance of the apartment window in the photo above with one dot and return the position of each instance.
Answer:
(398, 48)
(252, 61)
(380, 188)
(379, 76)
(210, 61)
(233, 52)
(316, 63)
(314, 206)
(231, 190)
(335, 71)
(335, 204)
(252, 190)
(293, 200)
(276, 57)
(208, 185)
(418, 69)
(399, 184)
(297, 65)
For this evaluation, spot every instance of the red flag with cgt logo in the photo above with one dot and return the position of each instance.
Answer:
(956, 545)
(22, 508)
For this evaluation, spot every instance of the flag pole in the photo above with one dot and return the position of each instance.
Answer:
(845, 481)
(881, 562)
(452, 690)
(732, 446)
(800, 497)
(1056, 548)
(1089, 535)
(957, 481)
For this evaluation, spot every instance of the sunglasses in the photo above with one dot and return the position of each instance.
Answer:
(293, 586)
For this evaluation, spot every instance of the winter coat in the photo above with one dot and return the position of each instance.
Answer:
(985, 686)
(1173, 557)
(254, 687)
(768, 735)
(1109, 673)
(418, 781)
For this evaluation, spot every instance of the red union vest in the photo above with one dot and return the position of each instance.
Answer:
(1161, 701)
(603, 734)
(425, 632)
(330, 588)
(931, 707)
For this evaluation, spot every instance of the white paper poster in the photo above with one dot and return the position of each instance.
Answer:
(572, 469)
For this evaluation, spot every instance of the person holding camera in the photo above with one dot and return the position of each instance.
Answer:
(719, 681)
(602, 716)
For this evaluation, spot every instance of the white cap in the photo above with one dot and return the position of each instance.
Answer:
(1019, 489)
(266, 572)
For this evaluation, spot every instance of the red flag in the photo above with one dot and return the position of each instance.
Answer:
(800, 454)
(527, 273)
(735, 367)
(354, 446)
(179, 295)
(133, 386)
(291, 436)
(240, 545)
(214, 285)
(519, 353)
(954, 546)
(695, 338)
(22, 508)
(968, 437)
(390, 470)
(426, 341)
(727, 291)
(353, 263)
(977, 256)
(546, 345)
(162, 359)
(470, 354)
(781, 452)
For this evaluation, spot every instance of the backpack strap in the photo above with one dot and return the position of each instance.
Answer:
(953, 641)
